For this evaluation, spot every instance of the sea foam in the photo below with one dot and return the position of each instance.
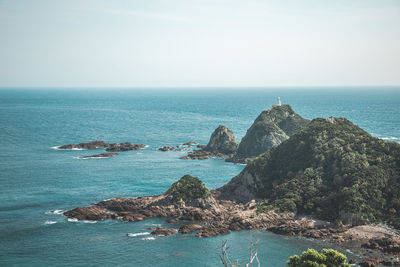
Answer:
(49, 222)
(54, 212)
(137, 234)
(148, 238)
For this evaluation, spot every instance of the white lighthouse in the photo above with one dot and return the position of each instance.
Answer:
(279, 101)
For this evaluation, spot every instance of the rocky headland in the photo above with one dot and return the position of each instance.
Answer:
(330, 169)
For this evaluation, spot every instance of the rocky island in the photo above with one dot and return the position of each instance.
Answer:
(222, 144)
(271, 127)
(330, 169)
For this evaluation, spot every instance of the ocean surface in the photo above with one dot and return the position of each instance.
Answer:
(36, 179)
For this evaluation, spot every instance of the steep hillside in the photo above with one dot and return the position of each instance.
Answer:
(332, 169)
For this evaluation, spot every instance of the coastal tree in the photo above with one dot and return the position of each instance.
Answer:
(312, 258)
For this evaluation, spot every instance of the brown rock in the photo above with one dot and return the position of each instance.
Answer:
(213, 230)
(163, 231)
(124, 147)
(189, 228)
(172, 220)
(370, 262)
(89, 145)
(92, 213)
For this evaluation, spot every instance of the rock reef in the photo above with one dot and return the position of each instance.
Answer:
(89, 145)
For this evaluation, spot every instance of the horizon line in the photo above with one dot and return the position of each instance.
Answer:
(198, 87)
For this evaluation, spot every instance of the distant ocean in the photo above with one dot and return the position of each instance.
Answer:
(36, 179)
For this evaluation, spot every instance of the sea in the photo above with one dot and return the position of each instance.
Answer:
(39, 182)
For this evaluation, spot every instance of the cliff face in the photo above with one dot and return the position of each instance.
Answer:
(222, 140)
(271, 128)
(332, 169)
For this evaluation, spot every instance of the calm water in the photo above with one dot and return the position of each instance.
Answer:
(34, 178)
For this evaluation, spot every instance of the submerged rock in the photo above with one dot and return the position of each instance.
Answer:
(103, 155)
(167, 148)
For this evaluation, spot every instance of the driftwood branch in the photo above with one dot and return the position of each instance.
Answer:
(223, 255)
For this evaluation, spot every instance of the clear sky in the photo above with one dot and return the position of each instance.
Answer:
(203, 43)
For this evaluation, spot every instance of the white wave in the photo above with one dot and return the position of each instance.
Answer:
(148, 238)
(390, 138)
(58, 148)
(83, 221)
(137, 234)
(54, 212)
(156, 224)
(87, 221)
(49, 222)
(146, 146)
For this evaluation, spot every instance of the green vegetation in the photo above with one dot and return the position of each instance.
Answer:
(334, 170)
(269, 129)
(311, 258)
(188, 188)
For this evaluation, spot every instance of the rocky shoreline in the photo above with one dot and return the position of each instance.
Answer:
(211, 216)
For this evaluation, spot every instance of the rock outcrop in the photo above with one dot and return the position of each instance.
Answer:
(124, 147)
(270, 129)
(89, 145)
(101, 144)
(160, 231)
(222, 144)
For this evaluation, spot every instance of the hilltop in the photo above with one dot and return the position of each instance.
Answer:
(271, 127)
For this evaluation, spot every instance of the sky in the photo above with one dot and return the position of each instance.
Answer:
(203, 43)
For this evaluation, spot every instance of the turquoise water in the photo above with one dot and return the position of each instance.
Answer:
(34, 178)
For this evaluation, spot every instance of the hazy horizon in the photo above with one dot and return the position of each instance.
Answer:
(199, 44)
